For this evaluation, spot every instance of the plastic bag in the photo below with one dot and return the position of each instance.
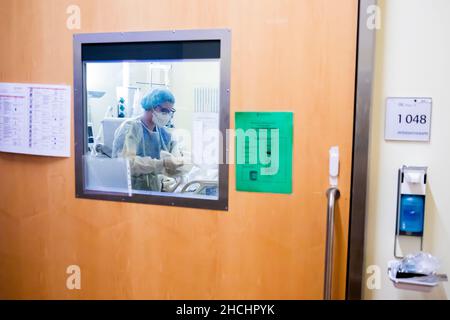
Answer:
(422, 262)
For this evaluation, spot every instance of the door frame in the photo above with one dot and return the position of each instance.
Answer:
(365, 58)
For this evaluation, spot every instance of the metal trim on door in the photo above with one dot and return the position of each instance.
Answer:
(363, 97)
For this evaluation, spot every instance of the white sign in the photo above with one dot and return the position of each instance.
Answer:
(35, 119)
(408, 119)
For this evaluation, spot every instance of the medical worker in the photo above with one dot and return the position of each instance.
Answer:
(143, 140)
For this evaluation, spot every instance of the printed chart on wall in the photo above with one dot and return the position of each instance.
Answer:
(264, 151)
(35, 119)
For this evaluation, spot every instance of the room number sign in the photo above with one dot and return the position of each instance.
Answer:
(408, 119)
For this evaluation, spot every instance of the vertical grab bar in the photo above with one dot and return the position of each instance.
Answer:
(332, 195)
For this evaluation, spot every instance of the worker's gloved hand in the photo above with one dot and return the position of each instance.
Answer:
(168, 184)
(172, 163)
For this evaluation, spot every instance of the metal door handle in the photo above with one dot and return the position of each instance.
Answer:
(332, 195)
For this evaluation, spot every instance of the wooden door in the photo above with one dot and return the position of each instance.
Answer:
(287, 55)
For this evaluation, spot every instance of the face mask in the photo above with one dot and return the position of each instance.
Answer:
(161, 119)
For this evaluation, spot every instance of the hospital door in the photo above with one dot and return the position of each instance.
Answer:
(292, 55)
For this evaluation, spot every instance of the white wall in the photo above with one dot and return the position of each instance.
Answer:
(186, 77)
(412, 60)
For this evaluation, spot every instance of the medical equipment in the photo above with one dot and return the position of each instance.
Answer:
(208, 188)
(101, 149)
(109, 127)
(91, 141)
(95, 94)
(199, 181)
(90, 136)
(121, 112)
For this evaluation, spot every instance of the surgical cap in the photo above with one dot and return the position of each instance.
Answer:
(157, 97)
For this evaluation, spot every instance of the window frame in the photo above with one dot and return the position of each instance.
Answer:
(80, 113)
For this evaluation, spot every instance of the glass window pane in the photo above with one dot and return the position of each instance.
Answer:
(153, 128)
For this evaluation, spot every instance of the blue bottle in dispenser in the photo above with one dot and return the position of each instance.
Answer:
(411, 201)
(412, 209)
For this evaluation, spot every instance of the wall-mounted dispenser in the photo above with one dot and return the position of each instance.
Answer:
(411, 203)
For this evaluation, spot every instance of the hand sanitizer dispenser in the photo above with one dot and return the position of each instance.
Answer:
(412, 183)
(411, 201)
